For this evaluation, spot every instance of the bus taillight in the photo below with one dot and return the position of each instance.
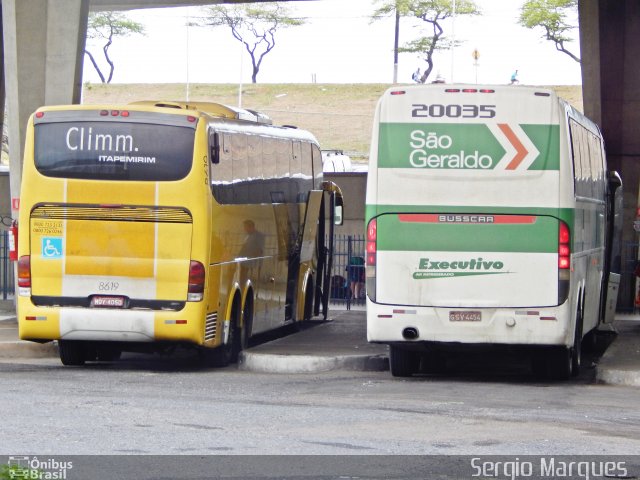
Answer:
(196, 282)
(564, 261)
(564, 248)
(372, 251)
(24, 274)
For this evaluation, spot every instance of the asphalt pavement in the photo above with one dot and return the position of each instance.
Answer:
(341, 344)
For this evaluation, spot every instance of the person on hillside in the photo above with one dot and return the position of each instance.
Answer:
(514, 78)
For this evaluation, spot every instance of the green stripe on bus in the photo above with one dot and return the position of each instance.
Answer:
(538, 237)
(452, 146)
(546, 139)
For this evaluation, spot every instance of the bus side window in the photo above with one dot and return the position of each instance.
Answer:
(575, 144)
(295, 171)
(317, 166)
(281, 190)
(307, 172)
(269, 166)
(255, 175)
(240, 168)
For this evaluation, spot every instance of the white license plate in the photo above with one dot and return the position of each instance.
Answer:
(466, 316)
(107, 302)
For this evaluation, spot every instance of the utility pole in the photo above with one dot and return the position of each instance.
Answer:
(453, 36)
(395, 47)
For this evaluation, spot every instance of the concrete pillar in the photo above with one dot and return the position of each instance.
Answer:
(610, 32)
(44, 48)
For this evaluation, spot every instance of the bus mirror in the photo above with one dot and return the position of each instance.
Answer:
(338, 218)
(337, 215)
(215, 149)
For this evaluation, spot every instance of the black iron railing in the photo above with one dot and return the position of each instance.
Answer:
(347, 276)
(6, 268)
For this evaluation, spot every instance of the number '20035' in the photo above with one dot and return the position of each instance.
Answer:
(453, 111)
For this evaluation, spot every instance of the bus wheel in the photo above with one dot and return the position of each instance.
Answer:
(108, 354)
(71, 353)
(403, 363)
(576, 351)
(560, 363)
(433, 362)
(228, 353)
(247, 323)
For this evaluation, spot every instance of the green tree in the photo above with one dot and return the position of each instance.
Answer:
(105, 26)
(253, 24)
(554, 17)
(433, 13)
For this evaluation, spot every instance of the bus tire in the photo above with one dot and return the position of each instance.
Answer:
(560, 363)
(71, 353)
(308, 302)
(576, 350)
(108, 354)
(247, 323)
(402, 362)
(228, 352)
(433, 362)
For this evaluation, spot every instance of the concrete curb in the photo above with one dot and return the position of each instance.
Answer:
(23, 349)
(624, 378)
(279, 363)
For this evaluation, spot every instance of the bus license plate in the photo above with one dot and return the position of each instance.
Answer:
(107, 302)
(468, 316)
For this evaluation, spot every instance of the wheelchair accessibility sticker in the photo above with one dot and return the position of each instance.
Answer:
(52, 247)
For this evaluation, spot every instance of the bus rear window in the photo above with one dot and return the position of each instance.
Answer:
(111, 150)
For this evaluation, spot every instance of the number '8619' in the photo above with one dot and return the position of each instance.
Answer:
(453, 111)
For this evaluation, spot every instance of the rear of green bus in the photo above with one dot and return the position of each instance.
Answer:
(468, 214)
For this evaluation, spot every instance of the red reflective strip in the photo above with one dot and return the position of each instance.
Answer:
(181, 322)
(453, 218)
(548, 318)
(385, 316)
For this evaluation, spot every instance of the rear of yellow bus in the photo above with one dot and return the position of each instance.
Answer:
(112, 230)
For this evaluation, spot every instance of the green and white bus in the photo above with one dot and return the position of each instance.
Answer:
(488, 213)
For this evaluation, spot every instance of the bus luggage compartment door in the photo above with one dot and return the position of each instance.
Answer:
(467, 260)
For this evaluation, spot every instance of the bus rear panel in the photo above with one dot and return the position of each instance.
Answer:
(471, 228)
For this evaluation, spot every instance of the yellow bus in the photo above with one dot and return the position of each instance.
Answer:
(158, 224)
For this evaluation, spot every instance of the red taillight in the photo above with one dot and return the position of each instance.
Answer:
(24, 272)
(196, 281)
(39, 114)
(398, 92)
(372, 237)
(564, 246)
(196, 277)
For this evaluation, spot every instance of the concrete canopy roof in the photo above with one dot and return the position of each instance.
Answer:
(136, 4)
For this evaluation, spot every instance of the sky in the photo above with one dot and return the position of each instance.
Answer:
(338, 44)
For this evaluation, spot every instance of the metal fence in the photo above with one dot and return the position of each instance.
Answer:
(347, 276)
(6, 268)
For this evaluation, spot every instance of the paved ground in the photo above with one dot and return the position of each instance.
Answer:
(340, 344)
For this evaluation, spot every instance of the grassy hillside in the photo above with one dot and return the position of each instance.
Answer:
(340, 115)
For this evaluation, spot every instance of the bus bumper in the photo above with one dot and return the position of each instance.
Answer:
(96, 324)
(508, 326)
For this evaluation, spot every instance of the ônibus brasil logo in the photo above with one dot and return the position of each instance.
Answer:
(428, 268)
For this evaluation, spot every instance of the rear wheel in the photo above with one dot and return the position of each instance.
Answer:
(72, 353)
(108, 354)
(247, 323)
(228, 352)
(433, 362)
(576, 350)
(403, 363)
